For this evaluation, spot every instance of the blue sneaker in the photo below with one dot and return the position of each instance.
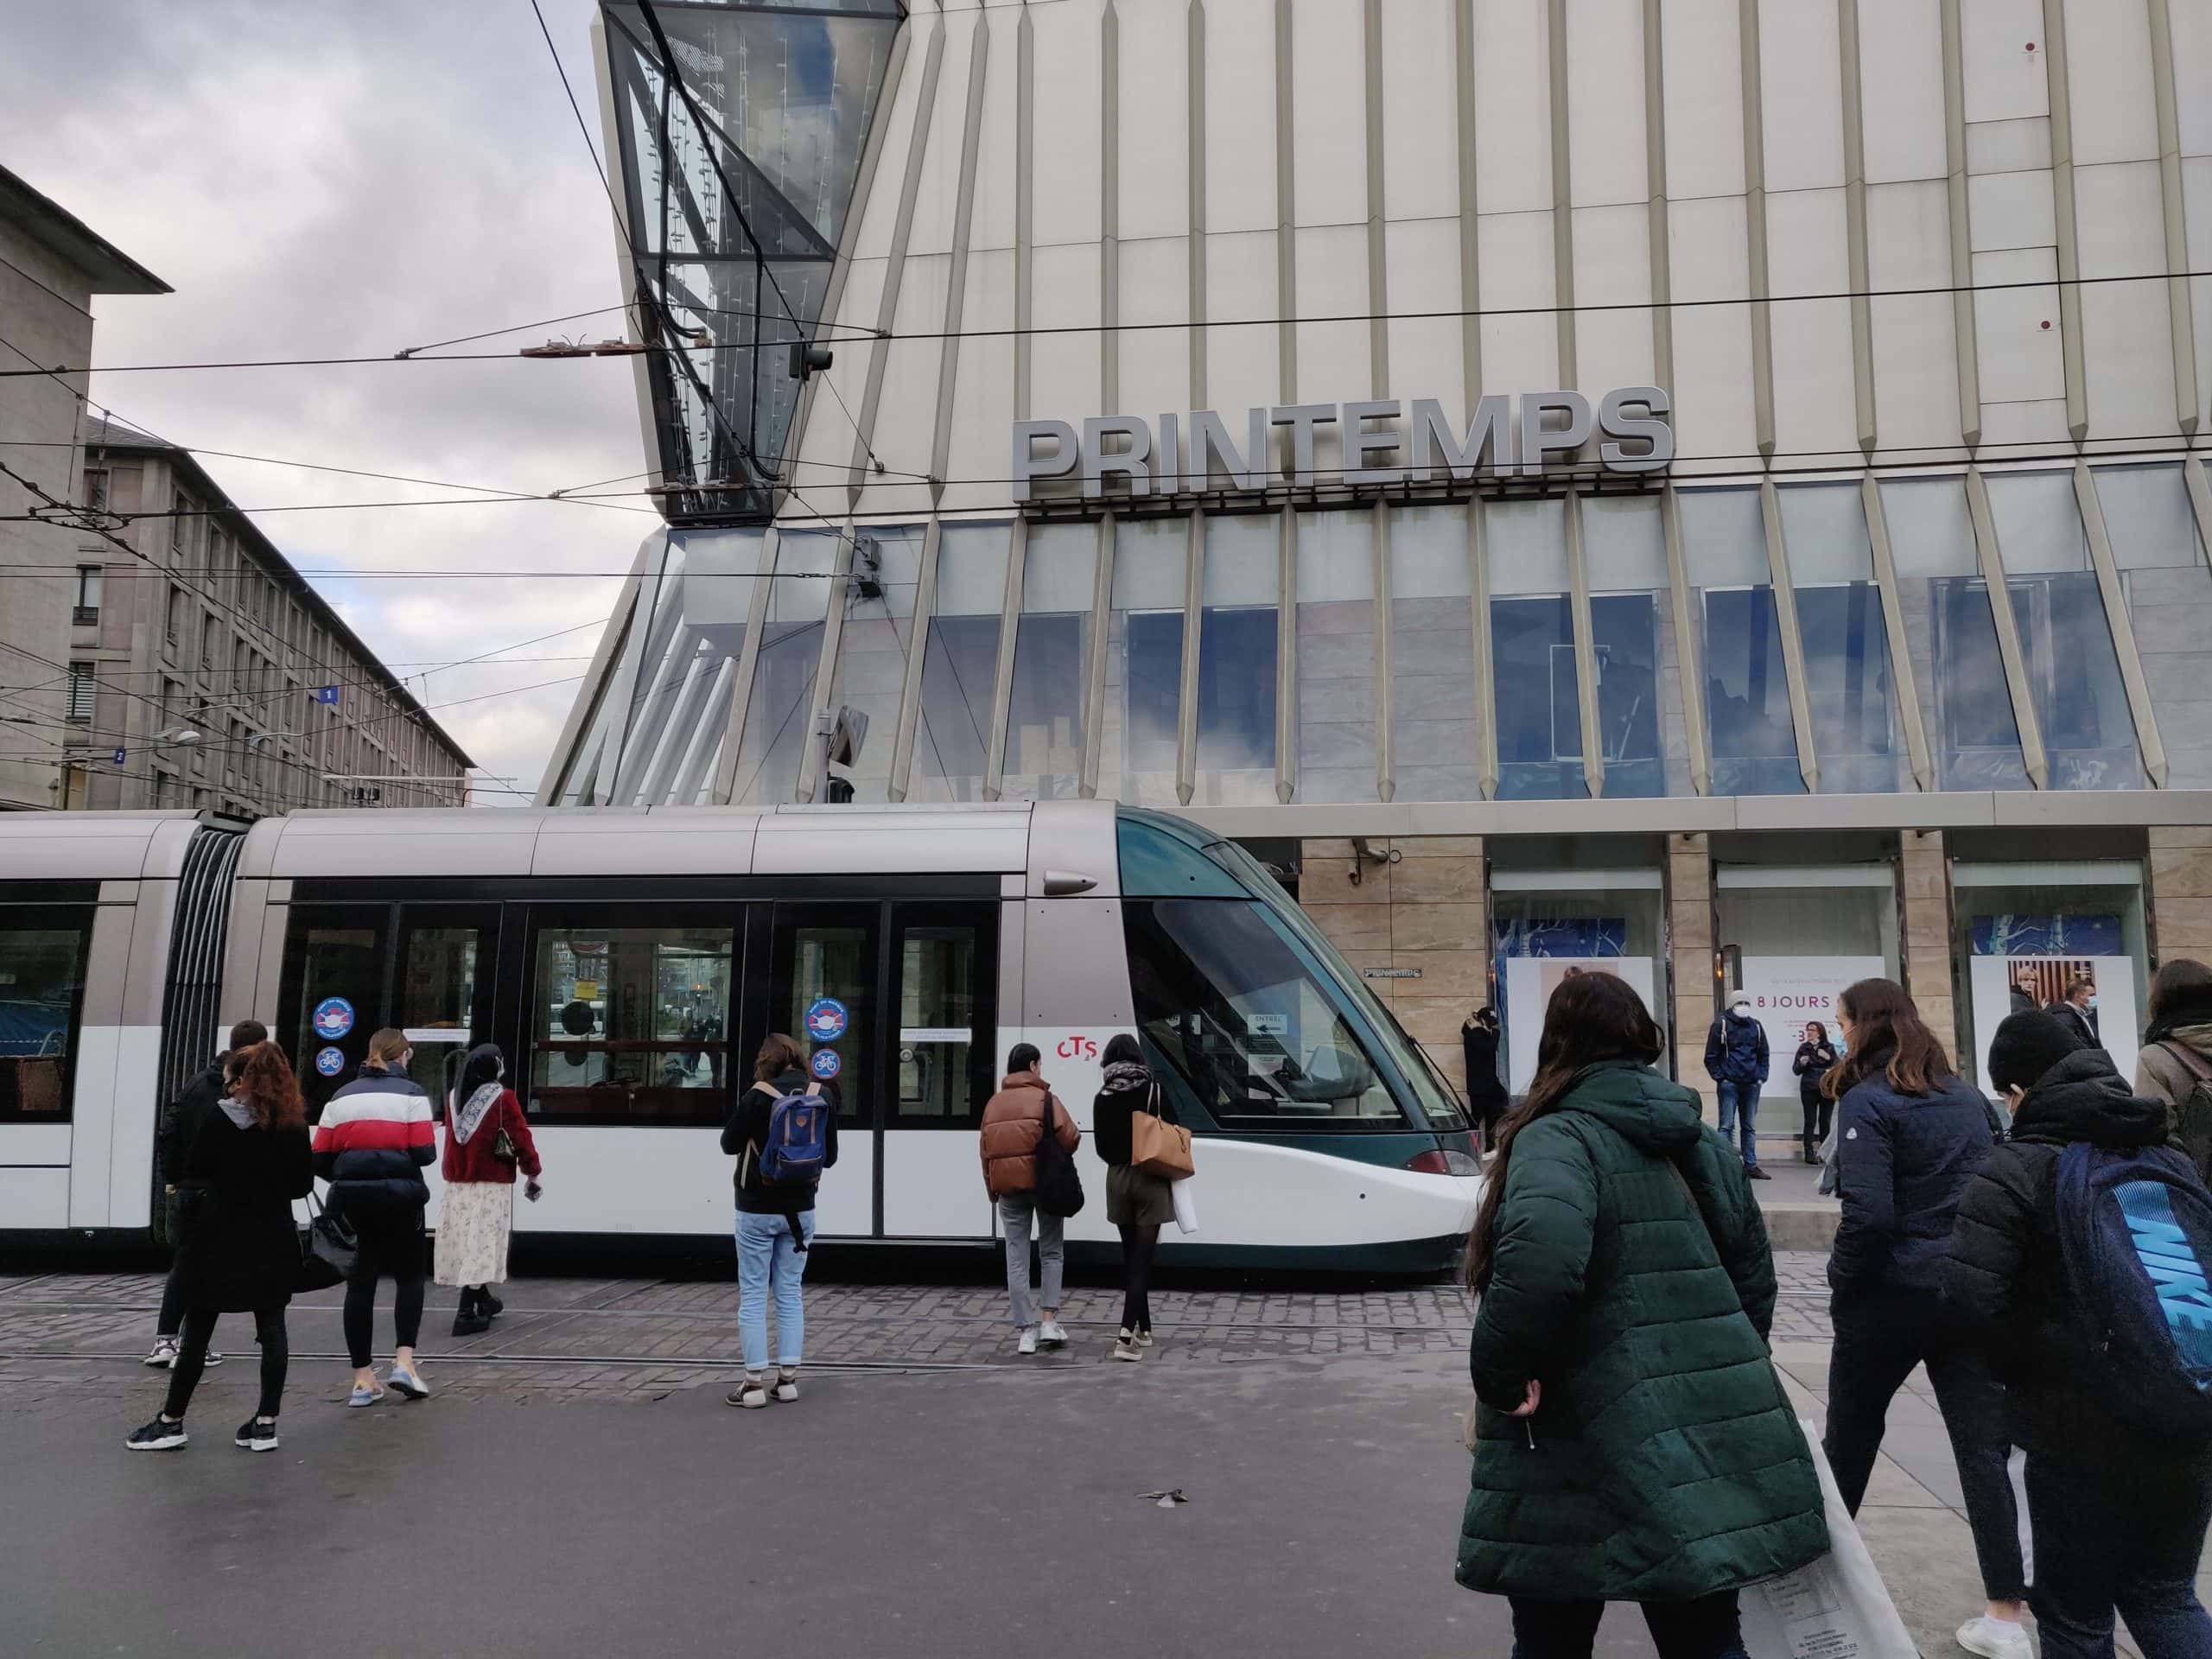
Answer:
(362, 1396)
(409, 1384)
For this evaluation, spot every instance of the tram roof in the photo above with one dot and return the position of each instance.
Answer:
(99, 846)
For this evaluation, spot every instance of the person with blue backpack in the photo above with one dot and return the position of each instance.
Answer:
(2081, 1263)
(783, 1132)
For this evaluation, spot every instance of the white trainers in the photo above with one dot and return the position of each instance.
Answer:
(1027, 1344)
(163, 1356)
(786, 1390)
(1995, 1639)
(1054, 1335)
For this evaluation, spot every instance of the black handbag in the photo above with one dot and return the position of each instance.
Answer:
(330, 1250)
(1059, 1188)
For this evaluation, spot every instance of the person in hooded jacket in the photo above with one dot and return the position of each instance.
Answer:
(1737, 1060)
(2118, 1512)
(1486, 1096)
(1138, 1202)
(180, 1123)
(1910, 1134)
(2177, 1048)
(239, 1253)
(372, 1144)
(1014, 1127)
(1631, 1441)
(487, 1139)
(1816, 1058)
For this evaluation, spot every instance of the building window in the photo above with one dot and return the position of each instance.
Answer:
(1433, 750)
(81, 692)
(42, 953)
(1238, 662)
(631, 1024)
(1532, 653)
(171, 701)
(96, 488)
(181, 525)
(87, 608)
(1139, 734)
(210, 647)
(173, 622)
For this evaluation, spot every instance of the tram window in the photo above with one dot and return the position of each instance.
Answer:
(631, 1024)
(335, 959)
(444, 995)
(42, 951)
(948, 1013)
(1227, 1000)
(827, 953)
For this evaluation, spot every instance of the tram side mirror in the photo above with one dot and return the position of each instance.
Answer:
(1066, 884)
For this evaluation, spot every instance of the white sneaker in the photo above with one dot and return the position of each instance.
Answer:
(786, 1390)
(163, 1356)
(1054, 1335)
(1027, 1344)
(1995, 1639)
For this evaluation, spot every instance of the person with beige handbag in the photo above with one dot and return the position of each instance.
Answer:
(1135, 1129)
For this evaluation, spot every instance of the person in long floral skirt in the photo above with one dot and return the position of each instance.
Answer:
(487, 1139)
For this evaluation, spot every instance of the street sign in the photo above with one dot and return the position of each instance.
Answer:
(326, 694)
(119, 753)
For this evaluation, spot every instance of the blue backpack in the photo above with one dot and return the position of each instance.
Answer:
(2135, 1231)
(798, 1139)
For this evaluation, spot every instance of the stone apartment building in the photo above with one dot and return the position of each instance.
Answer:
(51, 266)
(215, 672)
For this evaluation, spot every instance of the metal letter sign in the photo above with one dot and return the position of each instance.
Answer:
(1382, 442)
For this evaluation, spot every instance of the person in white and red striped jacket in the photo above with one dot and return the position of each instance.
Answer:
(372, 1145)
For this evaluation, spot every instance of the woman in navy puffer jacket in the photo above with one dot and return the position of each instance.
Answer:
(373, 1142)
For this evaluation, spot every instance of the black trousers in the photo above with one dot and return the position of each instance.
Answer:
(192, 1359)
(1138, 1244)
(391, 1245)
(1878, 1341)
(1819, 1112)
(2124, 1533)
(1704, 1629)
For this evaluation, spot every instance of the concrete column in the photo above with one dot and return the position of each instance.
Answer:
(1425, 919)
(2181, 893)
(1689, 933)
(1926, 870)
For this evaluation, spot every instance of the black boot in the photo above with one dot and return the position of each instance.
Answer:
(470, 1318)
(489, 1304)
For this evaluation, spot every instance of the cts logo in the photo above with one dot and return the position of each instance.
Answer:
(1077, 1048)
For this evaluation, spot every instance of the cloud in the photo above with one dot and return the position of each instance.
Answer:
(325, 181)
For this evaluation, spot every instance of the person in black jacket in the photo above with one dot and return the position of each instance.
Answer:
(1138, 1202)
(2118, 1512)
(1815, 1059)
(1486, 1096)
(775, 1223)
(180, 1123)
(1736, 1058)
(372, 1144)
(1910, 1134)
(239, 1253)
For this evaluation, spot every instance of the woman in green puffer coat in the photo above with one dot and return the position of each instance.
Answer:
(1632, 1440)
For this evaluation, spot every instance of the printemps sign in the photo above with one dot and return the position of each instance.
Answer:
(1381, 441)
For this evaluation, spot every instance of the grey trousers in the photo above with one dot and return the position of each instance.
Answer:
(1016, 1210)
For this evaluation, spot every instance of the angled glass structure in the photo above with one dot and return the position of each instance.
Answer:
(740, 128)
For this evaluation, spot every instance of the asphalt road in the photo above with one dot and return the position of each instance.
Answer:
(956, 1514)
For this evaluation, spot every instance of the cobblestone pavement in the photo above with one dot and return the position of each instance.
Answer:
(71, 1337)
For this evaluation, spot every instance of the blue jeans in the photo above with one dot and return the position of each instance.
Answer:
(769, 1258)
(2125, 1536)
(1704, 1629)
(1740, 1101)
(1016, 1211)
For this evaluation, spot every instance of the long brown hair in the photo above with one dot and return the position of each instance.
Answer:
(1591, 1019)
(386, 1047)
(2172, 985)
(271, 1091)
(777, 1055)
(1887, 1033)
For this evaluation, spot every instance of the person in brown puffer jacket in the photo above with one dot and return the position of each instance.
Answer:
(1013, 1124)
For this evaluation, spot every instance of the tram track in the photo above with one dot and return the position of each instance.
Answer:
(627, 1362)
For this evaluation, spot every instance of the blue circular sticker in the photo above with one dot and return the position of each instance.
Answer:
(826, 1019)
(826, 1065)
(334, 1018)
(329, 1062)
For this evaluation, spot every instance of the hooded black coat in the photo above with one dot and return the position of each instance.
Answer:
(2005, 1276)
(1486, 1096)
(240, 1251)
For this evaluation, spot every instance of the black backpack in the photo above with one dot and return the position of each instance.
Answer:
(1059, 1189)
(2193, 1113)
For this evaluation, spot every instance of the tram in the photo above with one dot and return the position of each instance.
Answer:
(629, 962)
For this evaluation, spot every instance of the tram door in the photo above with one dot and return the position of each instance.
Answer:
(896, 1001)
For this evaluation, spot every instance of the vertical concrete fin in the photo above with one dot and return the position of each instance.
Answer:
(2132, 677)
(1854, 224)
(1902, 675)
(1286, 210)
(1110, 208)
(917, 642)
(1095, 659)
(1585, 649)
(1017, 563)
(1762, 318)
(1386, 763)
(2061, 189)
(1186, 701)
(1486, 680)
(1691, 669)
(956, 290)
(1964, 342)
(1286, 654)
(1655, 173)
(2180, 308)
(2033, 756)
(1195, 148)
(1470, 268)
(1562, 194)
(1793, 641)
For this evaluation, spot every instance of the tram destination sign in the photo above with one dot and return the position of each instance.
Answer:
(1380, 442)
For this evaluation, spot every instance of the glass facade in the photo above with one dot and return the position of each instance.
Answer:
(656, 719)
(741, 127)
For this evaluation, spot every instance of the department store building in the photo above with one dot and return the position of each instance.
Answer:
(1709, 490)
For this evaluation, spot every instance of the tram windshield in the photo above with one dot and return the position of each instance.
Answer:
(1240, 996)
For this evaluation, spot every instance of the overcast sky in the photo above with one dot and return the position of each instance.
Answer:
(332, 180)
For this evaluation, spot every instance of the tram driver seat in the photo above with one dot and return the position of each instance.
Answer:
(1333, 1076)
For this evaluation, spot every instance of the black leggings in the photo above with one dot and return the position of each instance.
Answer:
(391, 1243)
(1137, 1245)
(192, 1359)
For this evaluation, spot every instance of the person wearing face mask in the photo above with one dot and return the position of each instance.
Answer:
(2078, 1012)
(487, 1139)
(372, 1145)
(1737, 1060)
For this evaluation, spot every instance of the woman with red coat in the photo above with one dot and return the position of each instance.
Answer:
(487, 1138)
